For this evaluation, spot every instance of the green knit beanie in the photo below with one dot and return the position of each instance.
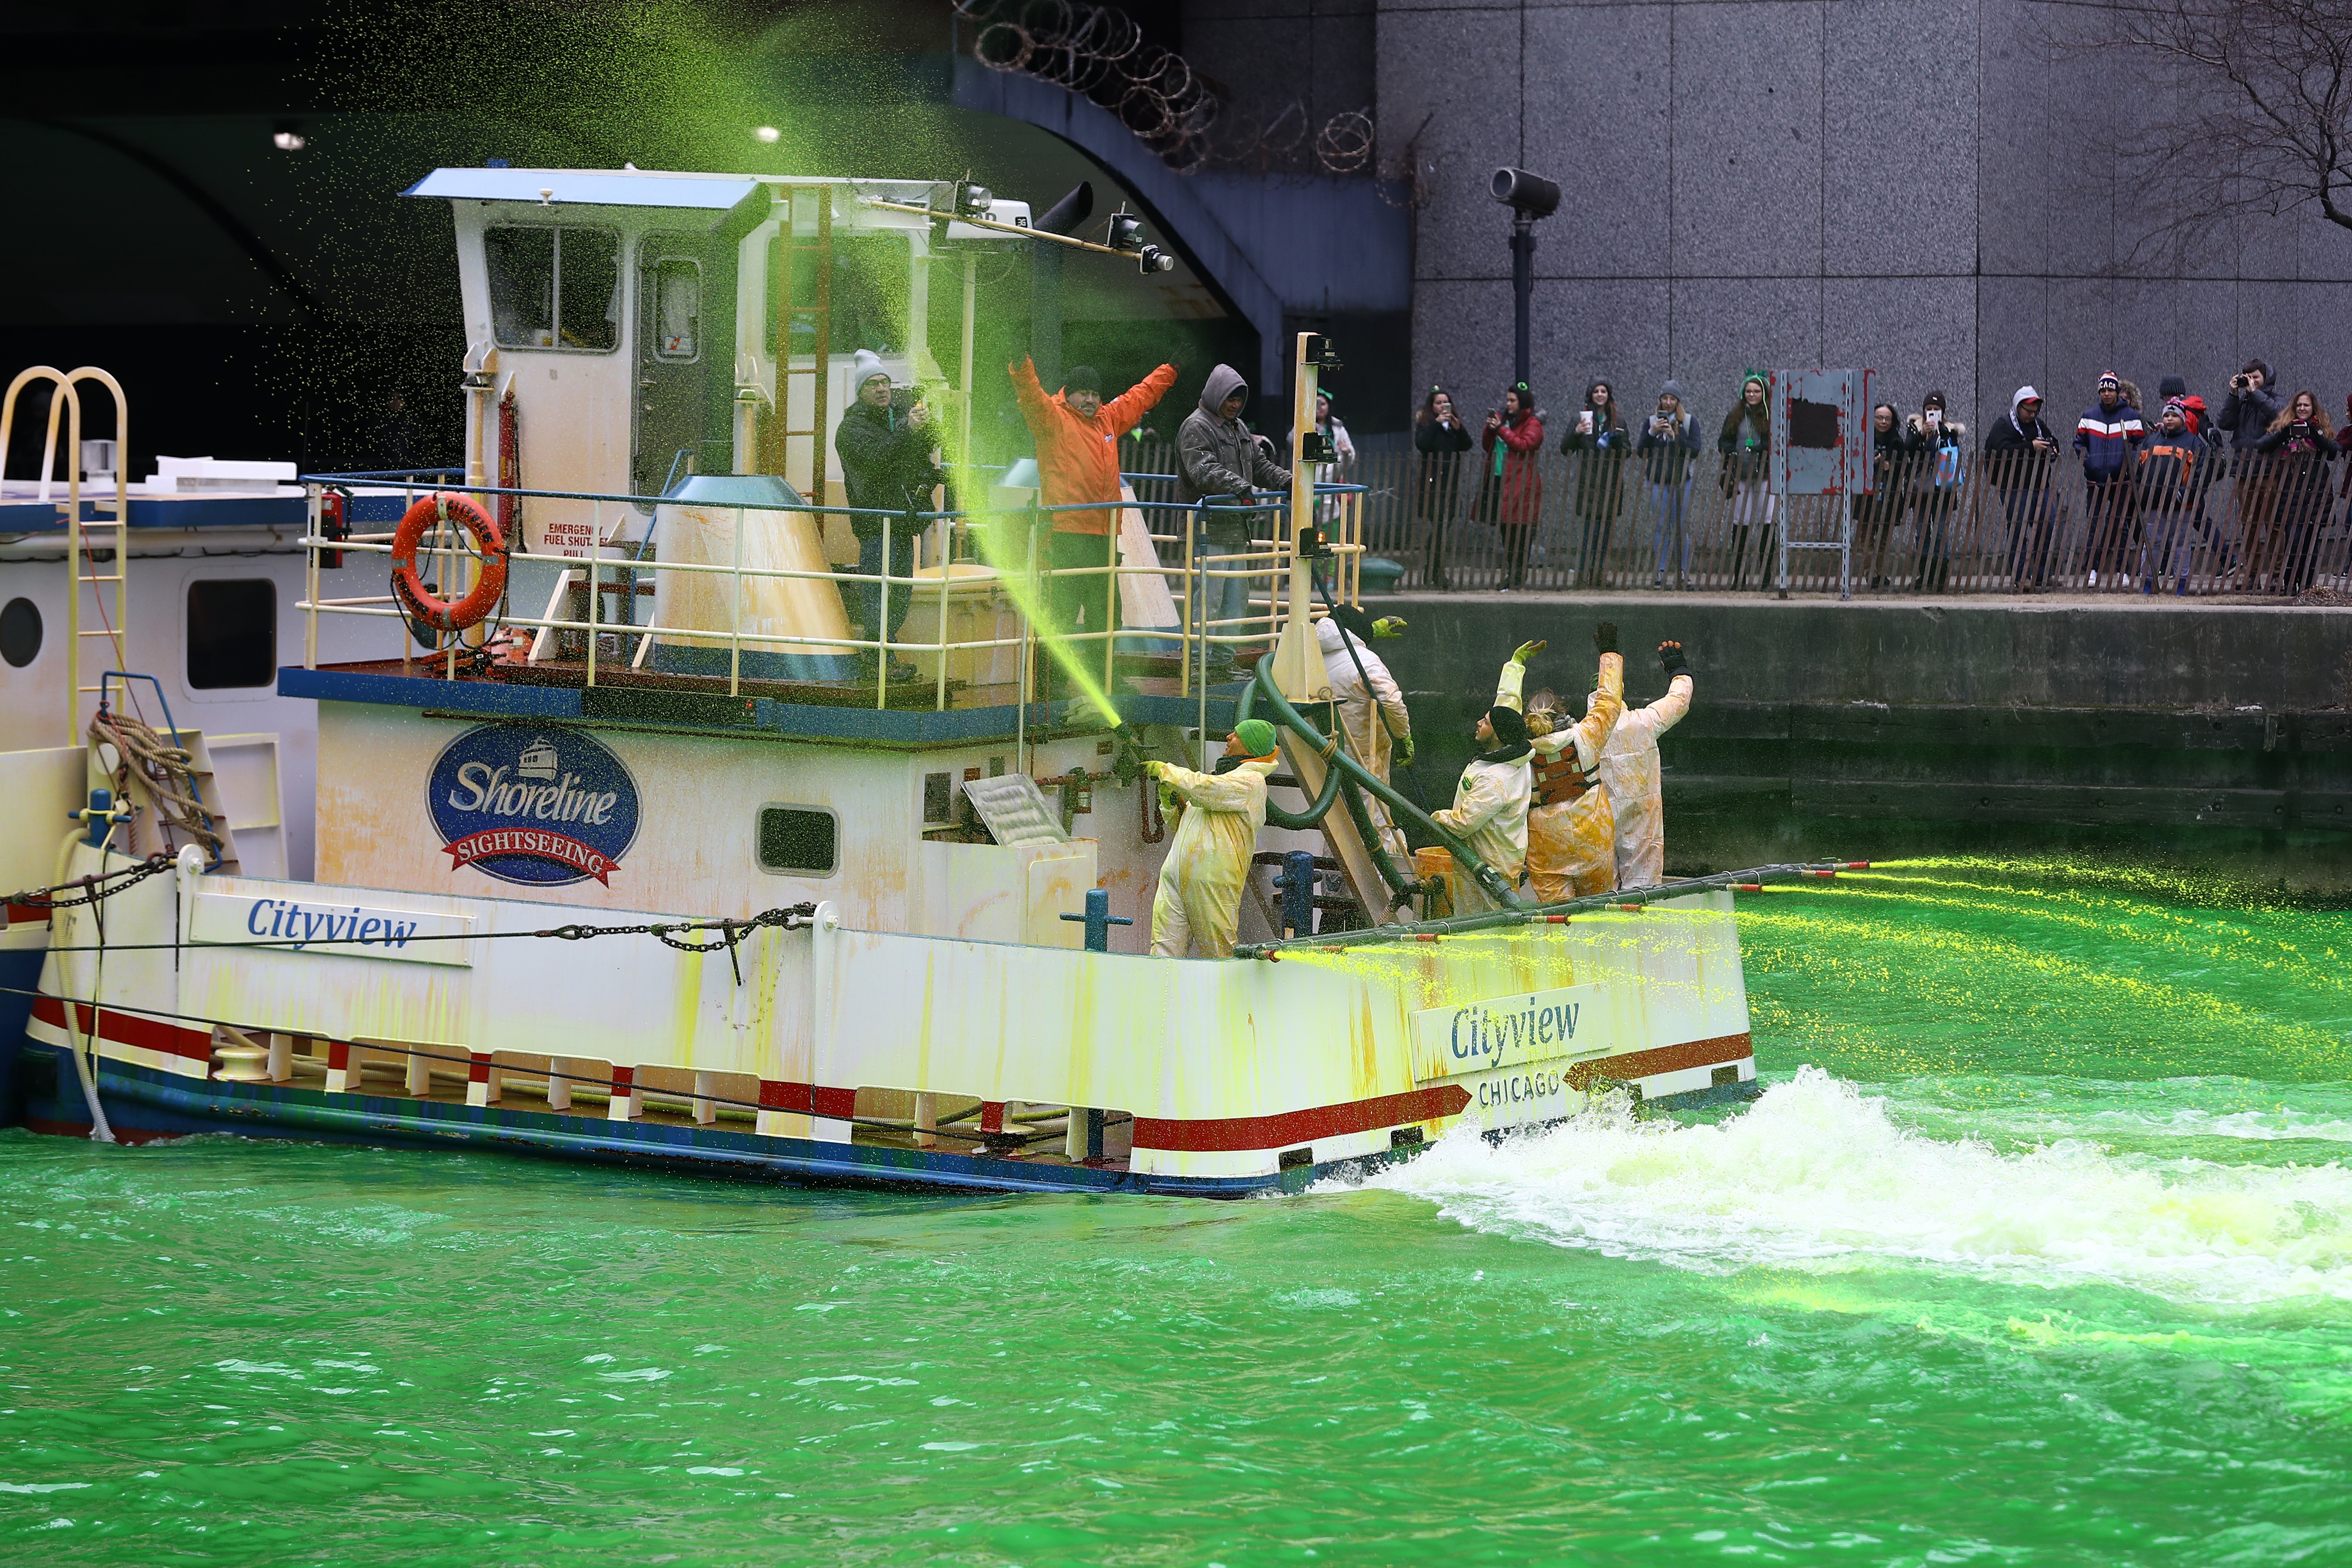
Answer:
(1256, 735)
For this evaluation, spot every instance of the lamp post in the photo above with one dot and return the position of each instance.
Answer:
(1530, 197)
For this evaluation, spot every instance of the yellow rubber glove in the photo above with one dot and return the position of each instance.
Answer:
(1527, 650)
(1388, 626)
(1404, 750)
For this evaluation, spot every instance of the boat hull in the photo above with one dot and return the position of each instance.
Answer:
(144, 1106)
(810, 1052)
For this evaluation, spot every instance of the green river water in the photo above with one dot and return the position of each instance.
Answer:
(2038, 1250)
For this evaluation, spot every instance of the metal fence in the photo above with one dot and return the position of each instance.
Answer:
(2272, 526)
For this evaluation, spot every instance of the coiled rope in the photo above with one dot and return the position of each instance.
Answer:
(165, 771)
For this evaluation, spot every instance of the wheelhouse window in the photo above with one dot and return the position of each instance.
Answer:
(798, 840)
(555, 287)
(673, 285)
(232, 633)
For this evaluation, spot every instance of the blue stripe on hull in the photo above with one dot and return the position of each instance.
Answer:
(20, 973)
(1714, 1094)
(143, 1100)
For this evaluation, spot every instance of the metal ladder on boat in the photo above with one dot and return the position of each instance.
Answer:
(811, 206)
(92, 542)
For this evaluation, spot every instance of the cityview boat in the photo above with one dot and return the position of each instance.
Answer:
(581, 827)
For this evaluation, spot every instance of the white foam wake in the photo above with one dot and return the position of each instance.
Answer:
(1815, 1175)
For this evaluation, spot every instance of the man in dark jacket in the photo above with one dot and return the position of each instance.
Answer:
(2106, 436)
(2246, 414)
(1217, 456)
(2019, 451)
(885, 441)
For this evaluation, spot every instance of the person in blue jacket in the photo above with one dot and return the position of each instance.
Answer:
(2106, 437)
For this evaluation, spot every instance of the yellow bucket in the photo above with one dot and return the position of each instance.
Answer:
(1435, 866)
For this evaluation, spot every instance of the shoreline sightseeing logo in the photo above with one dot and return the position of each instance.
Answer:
(543, 812)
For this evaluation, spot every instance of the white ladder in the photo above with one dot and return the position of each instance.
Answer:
(86, 540)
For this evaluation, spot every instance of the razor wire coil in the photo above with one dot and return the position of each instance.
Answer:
(1099, 52)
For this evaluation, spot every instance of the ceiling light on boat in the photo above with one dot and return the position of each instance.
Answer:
(286, 139)
(767, 133)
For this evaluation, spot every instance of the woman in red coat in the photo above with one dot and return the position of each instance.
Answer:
(1512, 439)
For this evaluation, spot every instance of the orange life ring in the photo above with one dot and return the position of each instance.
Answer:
(409, 588)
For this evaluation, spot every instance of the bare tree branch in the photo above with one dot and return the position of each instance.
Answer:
(2264, 115)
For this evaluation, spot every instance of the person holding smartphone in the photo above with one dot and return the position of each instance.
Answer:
(2246, 414)
(1939, 442)
(1440, 438)
(2297, 448)
(1668, 443)
(1598, 441)
(1513, 437)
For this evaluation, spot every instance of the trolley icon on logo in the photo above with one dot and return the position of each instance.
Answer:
(508, 803)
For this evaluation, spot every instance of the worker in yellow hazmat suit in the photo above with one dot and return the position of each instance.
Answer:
(1372, 713)
(1489, 812)
(1571, 832)
(1198, 903)
(1629, 772)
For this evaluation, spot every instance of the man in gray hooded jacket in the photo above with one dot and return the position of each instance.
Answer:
(1217, 456)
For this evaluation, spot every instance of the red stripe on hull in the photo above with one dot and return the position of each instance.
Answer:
(807, 1099)
(1288, 1129)
(1665, 1058)
(1231, 1134)
(128, 1029)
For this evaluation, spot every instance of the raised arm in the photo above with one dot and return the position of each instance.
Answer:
(1592, 731)
(1121, 411)
(1514, 674)
(1037, 408)
(1667, 711)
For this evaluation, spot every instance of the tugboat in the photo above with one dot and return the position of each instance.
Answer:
(633, 844)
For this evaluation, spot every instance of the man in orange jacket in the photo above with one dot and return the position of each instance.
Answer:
(1077, 460)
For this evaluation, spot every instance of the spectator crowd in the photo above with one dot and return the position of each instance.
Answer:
(2147, 476)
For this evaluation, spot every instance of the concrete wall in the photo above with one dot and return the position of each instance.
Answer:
(1906, 184)
(2037, 653)
(2216, 738)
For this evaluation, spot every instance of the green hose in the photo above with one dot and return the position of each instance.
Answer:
(1399, 884)
(1281, 817)
(1262, 685)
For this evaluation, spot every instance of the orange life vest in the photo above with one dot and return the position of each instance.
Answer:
(1562, 778)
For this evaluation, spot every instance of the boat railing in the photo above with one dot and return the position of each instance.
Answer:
(959, 551)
